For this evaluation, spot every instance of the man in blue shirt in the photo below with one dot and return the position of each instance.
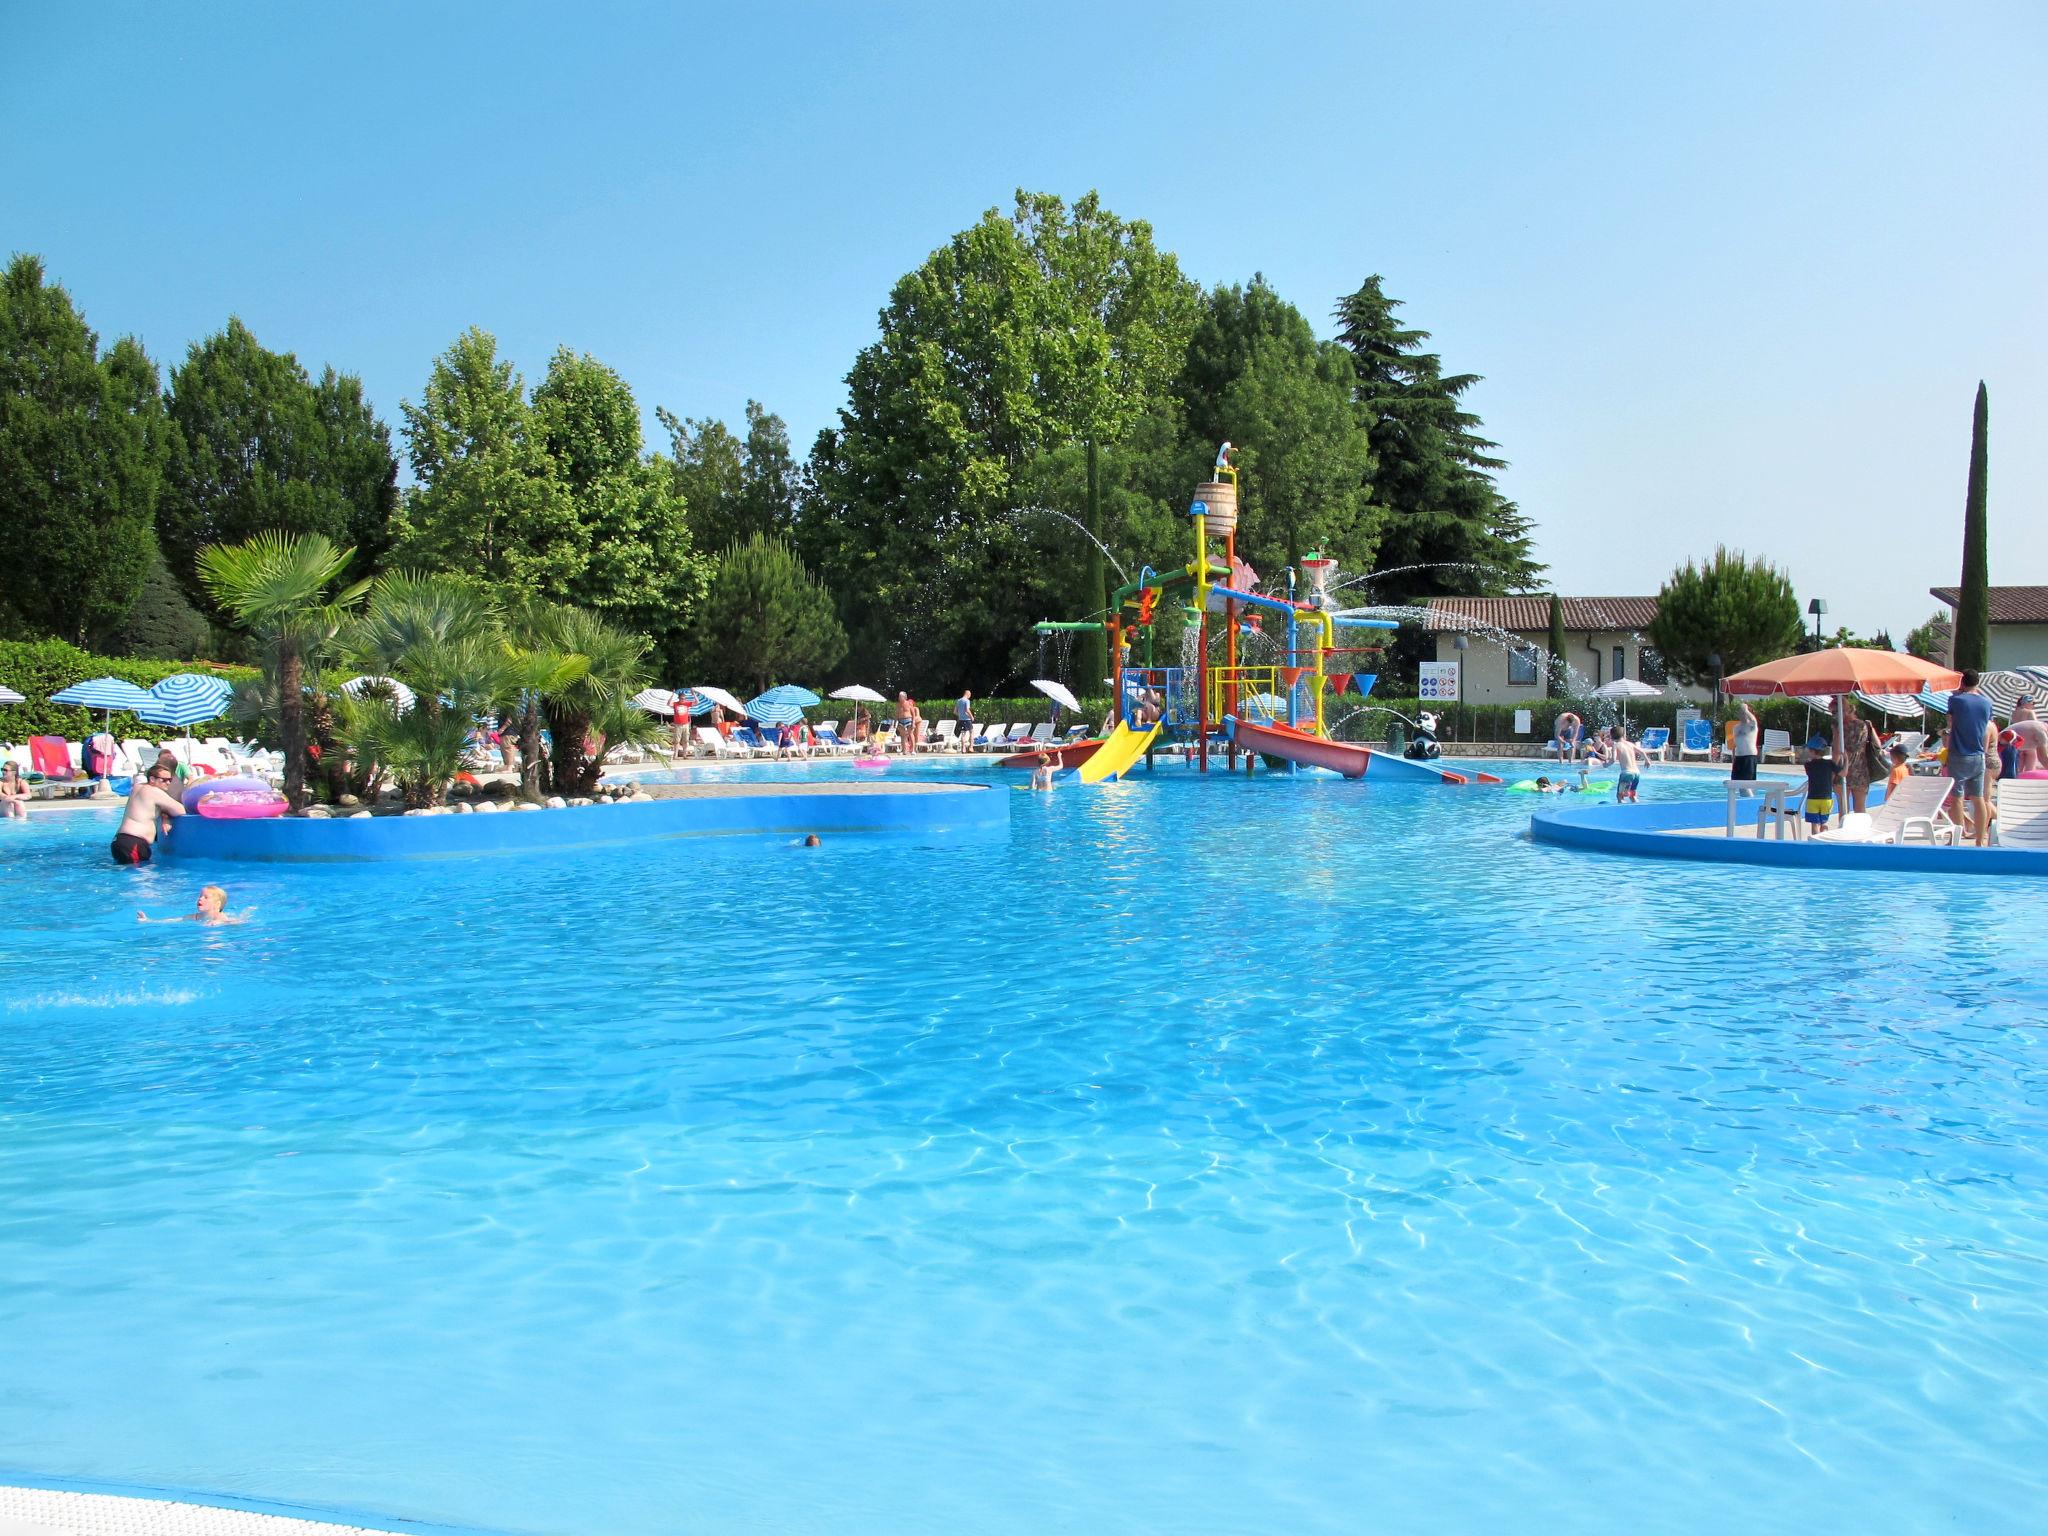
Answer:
(1969, 732)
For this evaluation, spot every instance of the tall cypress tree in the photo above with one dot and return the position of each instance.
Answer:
(1554, 669)
(1973, 603)
(1434, 478)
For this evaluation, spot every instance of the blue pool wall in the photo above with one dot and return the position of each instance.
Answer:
(967, 810)
(1634, 830)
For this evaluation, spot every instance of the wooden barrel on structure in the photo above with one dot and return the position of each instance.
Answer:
(1220, 499)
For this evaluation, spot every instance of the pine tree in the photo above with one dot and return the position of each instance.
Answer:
(1973, 603)
(1434, 481)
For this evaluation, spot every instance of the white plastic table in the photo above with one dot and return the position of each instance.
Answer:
(1771, 791)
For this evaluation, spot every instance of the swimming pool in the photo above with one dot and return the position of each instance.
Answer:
(1209, 1156)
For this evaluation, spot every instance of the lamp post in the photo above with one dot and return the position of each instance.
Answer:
(1459, 642)
(1818, 607)
(1714, 661)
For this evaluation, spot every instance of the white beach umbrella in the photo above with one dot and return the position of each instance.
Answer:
(1059, 693)
(859, 693)
(720, 697)
(1624, 689)
(9, 696)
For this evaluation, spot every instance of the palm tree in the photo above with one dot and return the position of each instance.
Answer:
(599, 699)
(278, 586)
(542, 670)
(439, 635)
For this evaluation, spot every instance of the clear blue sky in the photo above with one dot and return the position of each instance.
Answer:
(1732, 272)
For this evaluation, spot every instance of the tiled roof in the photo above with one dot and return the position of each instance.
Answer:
(1531, 615)
(2009, 605)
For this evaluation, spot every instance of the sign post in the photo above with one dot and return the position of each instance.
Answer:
(1438, 682)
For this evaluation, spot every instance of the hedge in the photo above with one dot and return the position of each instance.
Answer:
(1496, 722)
(38, 668)
(1370, 718)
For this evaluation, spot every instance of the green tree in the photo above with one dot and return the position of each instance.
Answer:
(1973, 602)
(1053, 326)
(1434, 481)
(161, 622)
(642, 570)
(260, 446)
(1256, 375)
(766, 617)
(489, 500)
(281, 587)
(82, 448)
(1933, 640)
(1743, 611)
(1557, 677)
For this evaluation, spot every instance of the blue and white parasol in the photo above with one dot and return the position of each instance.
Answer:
(186, 698)
(106, 693)
(781, 705)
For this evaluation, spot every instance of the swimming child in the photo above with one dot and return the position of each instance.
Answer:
(210, 909)
(1041, 776)
(1820, 783)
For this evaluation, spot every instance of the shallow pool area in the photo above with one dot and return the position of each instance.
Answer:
(1205, 1155)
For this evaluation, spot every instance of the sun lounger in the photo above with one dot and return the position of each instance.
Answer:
(2022, 813)
(1041, 733)
(942, 735)
(1913, 809)
(715, 745)
(1698, 740)
(1655, 742)
(1777, 741)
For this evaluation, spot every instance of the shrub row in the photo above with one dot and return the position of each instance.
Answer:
(1370, 719)
(38, 668)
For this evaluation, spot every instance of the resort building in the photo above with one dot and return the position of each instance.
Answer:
(1603, 640)
(2019, 625)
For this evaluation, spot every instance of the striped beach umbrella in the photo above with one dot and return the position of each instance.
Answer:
(186, 698)
(656, 701)
(2006, 688)
(403, 697)
(1907, 705)
(781, 705)
(1929, 699)
(107, 693)
(9, 696)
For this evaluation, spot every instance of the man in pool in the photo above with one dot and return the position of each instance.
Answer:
(1569, 729)
(150, 811)
(211, 909)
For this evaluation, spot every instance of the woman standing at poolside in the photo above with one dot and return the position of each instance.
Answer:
(1856, 750)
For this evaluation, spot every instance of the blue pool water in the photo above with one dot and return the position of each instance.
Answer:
(1212, 1156)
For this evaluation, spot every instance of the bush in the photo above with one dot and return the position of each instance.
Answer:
(1496, 722)
(40, 668)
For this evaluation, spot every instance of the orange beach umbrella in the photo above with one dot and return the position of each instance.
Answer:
(1843, 669)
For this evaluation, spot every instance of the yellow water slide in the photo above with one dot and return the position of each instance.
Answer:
(1114, 757)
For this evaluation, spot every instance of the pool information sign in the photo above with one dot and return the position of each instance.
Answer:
(1439, 682)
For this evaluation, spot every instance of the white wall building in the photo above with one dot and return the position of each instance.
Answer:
(1603, 640)
(2019, 624)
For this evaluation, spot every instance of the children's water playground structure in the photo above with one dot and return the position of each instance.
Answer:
(1255, 673)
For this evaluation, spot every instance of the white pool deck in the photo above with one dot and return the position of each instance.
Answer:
(47, 1512)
